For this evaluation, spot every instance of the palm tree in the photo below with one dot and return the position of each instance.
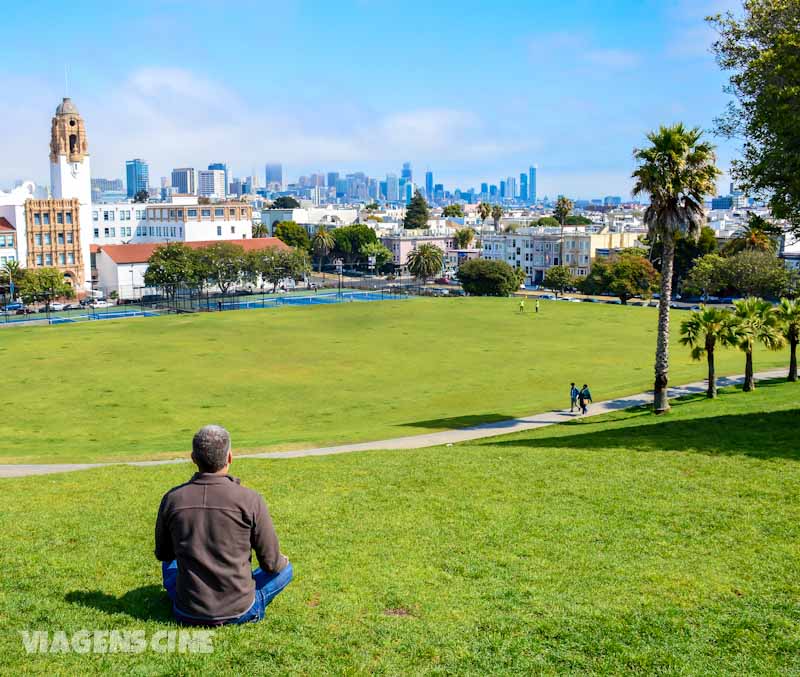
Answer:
(788, 313)
(322, 244)
(702, 331)
(484, 211)
(260, 230)
(758, 235)
(561, 212)
(676, 171)
(463, 237)
(425, 261)
(13, 273)
(755, 322)
(497, 214)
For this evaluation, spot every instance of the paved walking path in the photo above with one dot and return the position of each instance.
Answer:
(425, 440)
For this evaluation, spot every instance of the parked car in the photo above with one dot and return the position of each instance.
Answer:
(25, 311)
(547, 297)
(100, 303)
(442, 280)
(71, 306)
(57, 307)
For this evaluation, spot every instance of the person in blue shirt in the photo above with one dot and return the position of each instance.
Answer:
(573, 397)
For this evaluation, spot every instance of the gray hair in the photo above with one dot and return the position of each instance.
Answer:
(210, 447)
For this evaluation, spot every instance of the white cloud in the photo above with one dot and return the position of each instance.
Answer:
(578, 52)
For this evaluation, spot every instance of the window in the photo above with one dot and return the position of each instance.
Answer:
(180, 214)
(95, 216)
(113, 232)
(180, 231)
(2, 240)
(219, 231)
(172, 213)
(232, 212)
(233, 230)
(62, 259)
(60, 217)
(39, 260)
(139, 214)
(48, 259)
(37, 239)
(219, 212)
(96, 233)
(205, 213)
(46, 219)
(69, 238)
(60, 238)
(106, 216)
(192, 213)
(68, 218)
(47, 238)
(71, 258)
(37, 219)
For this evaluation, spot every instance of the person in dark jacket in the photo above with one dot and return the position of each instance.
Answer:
(584, 397)
(206, 531)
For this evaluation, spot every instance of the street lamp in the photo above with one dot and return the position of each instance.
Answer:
(338, 263)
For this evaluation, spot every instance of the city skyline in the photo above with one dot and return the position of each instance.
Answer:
(576, 102)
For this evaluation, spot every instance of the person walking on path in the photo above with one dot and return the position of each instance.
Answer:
(537, 305)
(573, 397)
(522, 305)
(584, 397)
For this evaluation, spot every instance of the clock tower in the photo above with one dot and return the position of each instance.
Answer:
(70, 173)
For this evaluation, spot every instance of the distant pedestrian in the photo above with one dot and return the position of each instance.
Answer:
(522, 305)
(584, 397)
(537, 305)
(573, 396)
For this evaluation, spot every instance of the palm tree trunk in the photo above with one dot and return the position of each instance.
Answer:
(561, 246)
(749, 382)
(792, 360)
(711, 393)
(660, 399)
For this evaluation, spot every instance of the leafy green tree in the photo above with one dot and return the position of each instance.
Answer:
(754, 323)
(759, 47)
(677, 171)
(456, 211)
(171, 266)
(548, 222)
(285, 202)
(624, 275)
(322, 245)
(372, 207)
(425, 261)
(260, 230)
(488, 277)
(44, 284)
(350, 240)
(687, 251)
(12, 272)
(463, 237)
(758, 235)
(383, 255)
(292, 234)
(221, 264)
(417, 213)
(561, 213)
(484, 211)
(141, 196)
(577, 220)
(707, 277)
(702, 331)
(559, 279)
(788, 313)
(497, 214)
(757, 273)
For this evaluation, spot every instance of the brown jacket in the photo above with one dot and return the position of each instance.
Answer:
(209, 525)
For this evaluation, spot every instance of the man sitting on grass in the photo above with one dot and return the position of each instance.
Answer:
(205, 532)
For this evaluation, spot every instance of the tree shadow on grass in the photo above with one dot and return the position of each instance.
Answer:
(759, 435)
(460, 422)
(148, 603)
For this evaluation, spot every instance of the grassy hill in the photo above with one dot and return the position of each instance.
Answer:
(625, 544)
(301, 377)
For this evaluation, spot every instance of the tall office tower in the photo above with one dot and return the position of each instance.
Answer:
(374, 189)
(406, 172)
(183, 180)
(429, 185)
(273, 173)
(503, 190)
(523, 186)
(236, 187)
(211, 183)
(392, 188)
(333, 177)
(224, 168)
(493, 192)
(532, 183)
(484, 189)
(410, 190)
(137, 174)
(511, 187)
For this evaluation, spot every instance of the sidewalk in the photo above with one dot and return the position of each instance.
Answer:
(425, 440)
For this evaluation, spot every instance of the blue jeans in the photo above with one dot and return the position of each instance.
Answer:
(268, 586)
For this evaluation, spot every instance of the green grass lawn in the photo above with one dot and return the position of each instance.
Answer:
(626, 544)
(300, 377)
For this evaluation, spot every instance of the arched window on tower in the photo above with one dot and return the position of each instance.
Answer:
(73, 144)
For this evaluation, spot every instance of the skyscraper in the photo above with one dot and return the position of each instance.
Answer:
(183, 180)
(224, 168)
(429, 185)
(511, 187)
(406, 173)
(274, 175)
(523, 186)
(532, 183)
(210, 183)
(333, 177)
(392, 188)
(137, 175)
(503, 190)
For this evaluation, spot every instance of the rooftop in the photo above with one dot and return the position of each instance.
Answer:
(140, 253)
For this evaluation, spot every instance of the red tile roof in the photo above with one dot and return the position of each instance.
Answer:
(140, 253)
(5, 225)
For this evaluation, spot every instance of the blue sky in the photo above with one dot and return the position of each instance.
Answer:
(475, 91)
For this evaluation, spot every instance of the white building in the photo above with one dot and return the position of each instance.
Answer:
(211, 183)
(183, 180)
(310, 217)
